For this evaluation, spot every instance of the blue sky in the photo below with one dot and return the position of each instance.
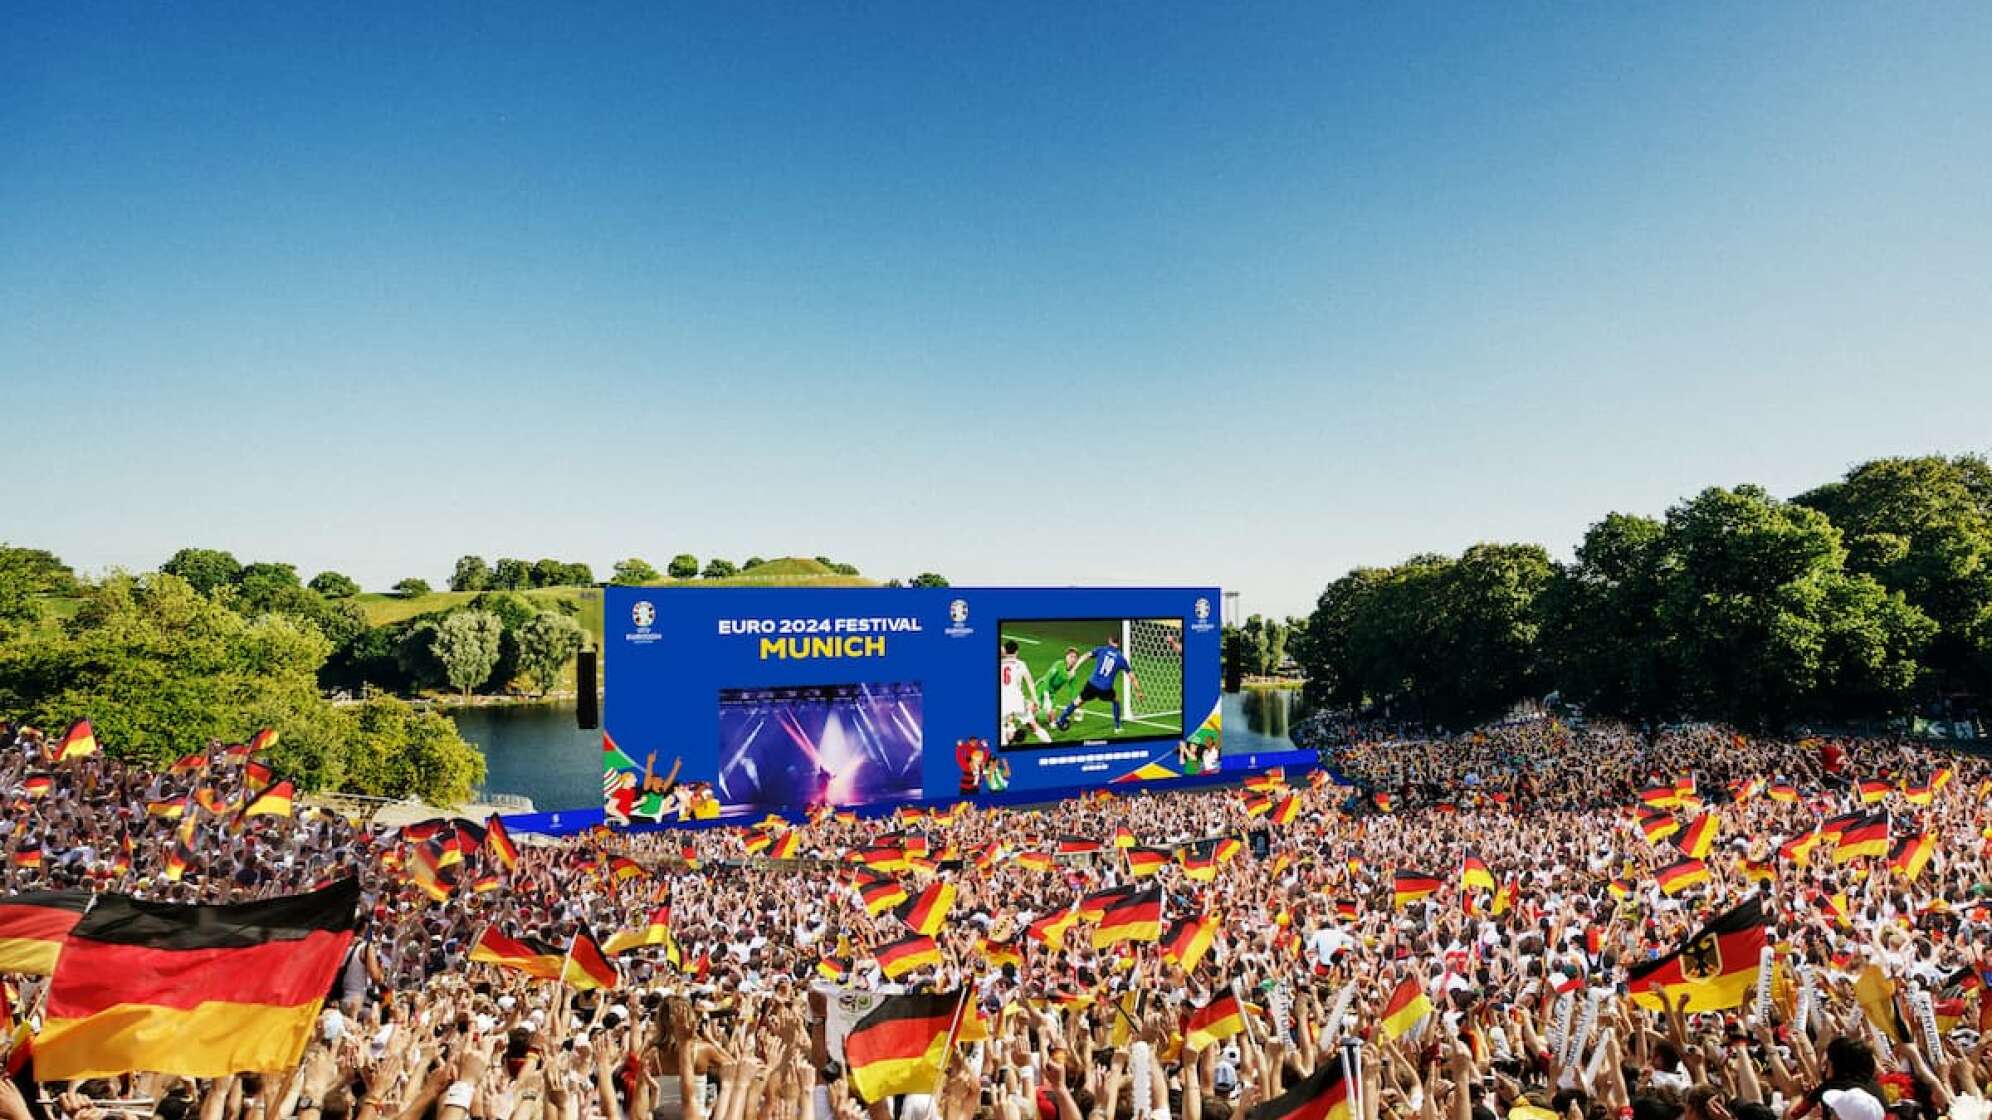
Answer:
(1052, 293)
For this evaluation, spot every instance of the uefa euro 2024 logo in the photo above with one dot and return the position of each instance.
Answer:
(958, 611)
(1203, 610)
(643, 614)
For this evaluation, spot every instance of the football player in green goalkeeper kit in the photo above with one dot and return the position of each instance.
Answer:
(1061, 683)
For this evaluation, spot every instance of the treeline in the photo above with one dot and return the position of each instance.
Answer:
(161, 669)
(1866, 597)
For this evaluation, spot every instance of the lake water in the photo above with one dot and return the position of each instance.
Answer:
(535, 751)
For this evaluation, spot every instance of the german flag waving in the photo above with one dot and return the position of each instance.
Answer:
(1143, 862)
(899, 1046)
(1214, 1022)
(1407, 1008)
(197, 991)
(1052, 927)
(1321, 1095)
(1698, 839)
(1909, 856)
(520, 954)
(881, 895)
(1473, 875)
(1716, 968)
(586, 966)
(1680, 875)
(33, 926)
(897, 958)
(78, 741)
(929, 912)
(1188, 940)
(1409, 886)
(1138, 917)
(500, 842)
(1865, 837)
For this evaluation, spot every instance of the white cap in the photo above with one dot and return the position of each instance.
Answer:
(1852, 1104)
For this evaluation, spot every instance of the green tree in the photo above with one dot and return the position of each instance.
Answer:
(414, 587)
(1762, 619)
(548, 572)
(683, 566)
(470, 574)
(511, 574)
(1326, 650)
(751, 563)
(205, 569)
(397, 751)
(635, 570)
(578, 575)
(1601, 620)
(717, 568)
(466, 645)
(1923, 527)
(333, 585)
(844, 569)
(160, 670)
(546, 643)
(928, 579)
(27, 574)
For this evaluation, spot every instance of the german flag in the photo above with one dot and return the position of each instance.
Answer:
(1383, 800)
(834, 969)
(1034, 861)
(897, 958)
(929, 912)
(520, 954)
(1000, 953)
(1760, 870)
(757, 842)
(1287, 811)
(1214, 1022)
(485, 884)
(1660, 797)
(1407, 887)
(1143, 862)
(1716, 968)
(987, 855)
(689, 855)
(77, 742)
(1201, 867)
(1922, 794)
(1258, 804)
(255, 775)
(37, 786)
(1799, 848)
(586, 966)
(1784, 793)
(1188, 940)
(1321, 1095)
(900, 1045)
(1908, 858)
(500, 842)
(179, 857)
(1620, 888)
(1228, 849)
(27, 857)
(1266, 782)
(33, 926)
(262, 740)
(1347, 910)
(188, 764)
(272, 802)
(1076, 845)
(1138, 917)
(1124, 837)
(1680, 875)
(1874, 791)
(1094, 906)
(1942, 778)
(883, 857)
(1473, 875)
(786, 845)
(625, 869)
(1698, 839)
(1505, 898)
(171, 808)
(1406, 1009)
(1052, 927)
(656, 931)
(209, 798)
(1832, 827)
(1658, 826)
(1866, 837)
(881, 895)
(197, 991)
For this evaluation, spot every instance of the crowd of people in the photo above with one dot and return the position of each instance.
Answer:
(1538, 850)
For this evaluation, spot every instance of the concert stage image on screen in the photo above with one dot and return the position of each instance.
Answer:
(843, 744)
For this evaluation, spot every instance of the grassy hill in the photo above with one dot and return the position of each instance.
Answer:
(792, 571)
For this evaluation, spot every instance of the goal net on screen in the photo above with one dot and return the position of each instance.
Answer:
(1155, 648)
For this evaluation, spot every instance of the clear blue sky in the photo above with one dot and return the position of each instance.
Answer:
(1023, 293)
